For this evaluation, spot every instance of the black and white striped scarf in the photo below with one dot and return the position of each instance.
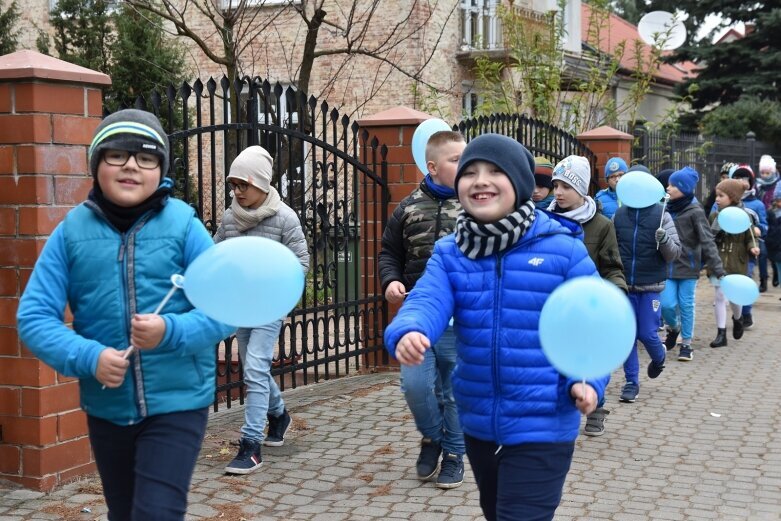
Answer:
(478, 240)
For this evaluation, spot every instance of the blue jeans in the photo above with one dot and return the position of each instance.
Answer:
(519, 481)
(647, 310)
(678, 299)
(146, 468)
(256, 349)
(428, 390)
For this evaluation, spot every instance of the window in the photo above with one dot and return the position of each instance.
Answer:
(480, 25)
(470, 101)
(227, 5)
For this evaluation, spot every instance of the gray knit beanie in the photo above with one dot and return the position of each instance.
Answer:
(253, 166)
(131, 130)
(509, 155)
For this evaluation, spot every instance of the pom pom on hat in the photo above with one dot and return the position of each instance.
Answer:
(685, 180)
(506, 153)
(575, 171)
(253, 166)
(543, 170)
(614, 165)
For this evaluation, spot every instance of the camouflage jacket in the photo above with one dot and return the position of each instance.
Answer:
(408, 240)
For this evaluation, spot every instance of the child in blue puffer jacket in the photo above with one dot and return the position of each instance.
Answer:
(520, 417)
(146, 380)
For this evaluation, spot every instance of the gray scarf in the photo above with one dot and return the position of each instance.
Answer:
(249, 218)
(476, 240)
(582, 214)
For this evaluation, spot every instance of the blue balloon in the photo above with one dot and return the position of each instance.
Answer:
(734, 220)
(420, 139)
(639, 190)
(587, 328)
(739, 289)
(245, 282)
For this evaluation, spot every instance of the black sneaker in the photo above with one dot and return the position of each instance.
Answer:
(428, 460)
(248, 458)
(748, 322)
(671, 338)
(737, 328)
(655, 369)
(277, 427)
(595, 422)
(451, 473)
(685, 355)
(629, 392)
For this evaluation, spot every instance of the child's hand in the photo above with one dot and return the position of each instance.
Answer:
(585, 397)
(754, 251)
(395, 292)
(112, 366)
(146, 331)
(660, 235)
(411, 347)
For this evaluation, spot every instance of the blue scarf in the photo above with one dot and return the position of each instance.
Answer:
(439, 191)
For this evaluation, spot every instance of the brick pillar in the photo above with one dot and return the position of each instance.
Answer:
(607, 142)
(48, 112)
(393, 128)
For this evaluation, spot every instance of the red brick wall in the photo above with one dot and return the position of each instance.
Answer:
(45, 127)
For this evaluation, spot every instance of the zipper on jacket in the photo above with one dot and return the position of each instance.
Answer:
(495, 345)
(438, 224)
(634, 247)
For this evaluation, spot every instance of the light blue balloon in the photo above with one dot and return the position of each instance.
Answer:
(587, 328)
(639, 190)
(739, 289)
(245, 282)
(420, 138)
(734, 220)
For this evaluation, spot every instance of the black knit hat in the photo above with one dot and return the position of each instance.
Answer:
(131, 130)
(506, 153)
(664, 176)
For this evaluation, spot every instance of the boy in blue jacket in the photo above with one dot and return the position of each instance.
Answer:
(520, 417)
(146, 380)
(615, 168)
(647, 241)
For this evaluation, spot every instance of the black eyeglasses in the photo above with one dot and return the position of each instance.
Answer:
(238, 186)
(144, 160)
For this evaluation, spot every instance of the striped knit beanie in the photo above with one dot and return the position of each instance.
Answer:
(131, 130)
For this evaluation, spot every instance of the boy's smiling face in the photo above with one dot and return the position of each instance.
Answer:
(127, 185)
(485, 192)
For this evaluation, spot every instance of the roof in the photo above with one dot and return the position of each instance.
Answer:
(619, 30)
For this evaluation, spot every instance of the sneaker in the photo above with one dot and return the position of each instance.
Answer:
(428, 460)
(451, 473)
(748, 322)
(655, 369)
(630, 392)
(277, 427)
(671, 338)
(685, 355)
(737, 328)
(595, 422)
(248, 458)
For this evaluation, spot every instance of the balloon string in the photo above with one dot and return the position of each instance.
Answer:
(583, 388)
(661, 222)
(158, 309)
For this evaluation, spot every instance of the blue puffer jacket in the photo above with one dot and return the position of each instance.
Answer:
(609, 200)
(505, 389)
(105, 277)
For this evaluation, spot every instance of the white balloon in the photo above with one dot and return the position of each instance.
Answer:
(662, 29)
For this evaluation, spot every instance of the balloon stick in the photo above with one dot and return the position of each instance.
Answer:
(176, 283)
(753, 238)
(664, 206)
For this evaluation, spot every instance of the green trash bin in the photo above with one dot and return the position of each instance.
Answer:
(343, 251)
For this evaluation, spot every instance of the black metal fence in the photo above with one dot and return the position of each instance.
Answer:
(329, 175)
(541, 139)
(659, 150)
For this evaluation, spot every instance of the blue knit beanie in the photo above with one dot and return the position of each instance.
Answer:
(506, 153)
(685, 180)
(614, 165)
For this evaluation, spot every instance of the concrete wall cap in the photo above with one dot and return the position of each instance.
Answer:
(26, 64)
(399, 115)
(604, 132)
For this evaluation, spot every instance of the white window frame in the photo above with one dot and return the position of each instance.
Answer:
(227, 5)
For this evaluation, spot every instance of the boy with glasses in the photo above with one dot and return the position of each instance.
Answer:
(257, 210)
(615, 168)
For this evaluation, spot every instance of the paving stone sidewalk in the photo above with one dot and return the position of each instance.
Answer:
(703, 442)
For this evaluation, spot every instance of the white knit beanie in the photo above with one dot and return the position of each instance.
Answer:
(767, 162)
(254, 166)
(575, 171)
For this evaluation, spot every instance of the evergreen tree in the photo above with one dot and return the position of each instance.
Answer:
(8, 34)
(83, 33)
